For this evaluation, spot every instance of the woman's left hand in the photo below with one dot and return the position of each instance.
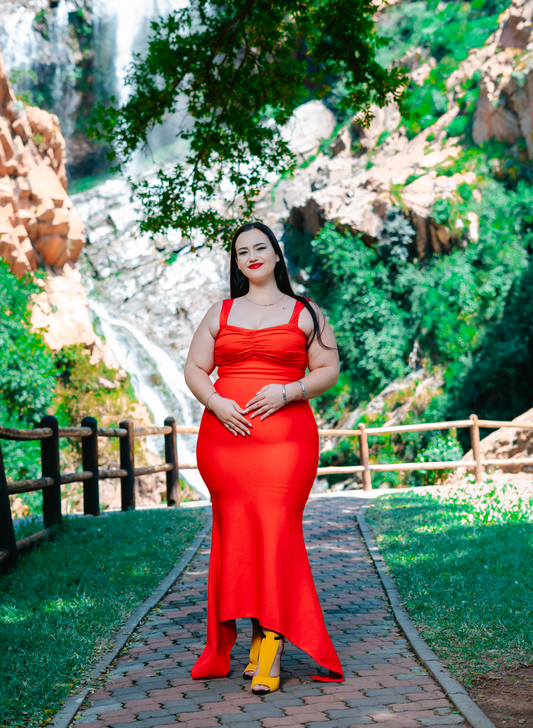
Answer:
(268, 400)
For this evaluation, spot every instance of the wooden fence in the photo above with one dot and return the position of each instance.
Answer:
(49, 434)
(366, 468)
(50, 483)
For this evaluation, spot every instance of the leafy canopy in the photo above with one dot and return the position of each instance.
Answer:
(236, 70)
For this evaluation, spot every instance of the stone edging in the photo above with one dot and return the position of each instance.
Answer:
(453, 690)
(73, 703)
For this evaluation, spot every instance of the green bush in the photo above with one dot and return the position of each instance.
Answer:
(27, 371)
(439, 449)
(469, 311)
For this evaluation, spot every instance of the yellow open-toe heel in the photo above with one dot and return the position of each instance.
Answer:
(257, 636)
(267, 655)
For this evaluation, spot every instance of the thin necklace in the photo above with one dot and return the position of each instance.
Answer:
(264, 304)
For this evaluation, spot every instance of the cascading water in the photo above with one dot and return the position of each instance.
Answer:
(141, 358)
(132, 22)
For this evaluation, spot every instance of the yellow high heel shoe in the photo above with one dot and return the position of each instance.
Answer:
(267, 655)
(257, 636)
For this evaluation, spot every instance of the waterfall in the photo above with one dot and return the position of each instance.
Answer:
(78, 62)
(132, 22)
(140, 357)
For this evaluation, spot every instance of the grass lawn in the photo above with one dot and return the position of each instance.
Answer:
(60, 608)
(464, 569)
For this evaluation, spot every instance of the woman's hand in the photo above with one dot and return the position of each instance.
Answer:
(268, 400)
(230, 414)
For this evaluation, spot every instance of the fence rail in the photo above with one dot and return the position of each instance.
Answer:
(49, 434)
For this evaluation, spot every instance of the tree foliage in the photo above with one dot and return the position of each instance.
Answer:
(236, 71)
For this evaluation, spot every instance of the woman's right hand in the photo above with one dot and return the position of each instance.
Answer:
(230, 414)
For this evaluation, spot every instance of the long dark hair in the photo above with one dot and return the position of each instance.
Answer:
(240, 285)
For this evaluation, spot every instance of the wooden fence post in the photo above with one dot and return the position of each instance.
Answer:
(476, 448)
(50, 464)
(127, 462)
(89, 450)
(7, 532)
(171, 456)
(363, 456)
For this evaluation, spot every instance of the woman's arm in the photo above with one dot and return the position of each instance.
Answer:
(200, 364)
(323, 370)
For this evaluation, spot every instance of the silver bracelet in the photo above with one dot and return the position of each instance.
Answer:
(303, 388)
(284, 394)
(207, 400)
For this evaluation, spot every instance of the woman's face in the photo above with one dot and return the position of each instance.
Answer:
(255, 256)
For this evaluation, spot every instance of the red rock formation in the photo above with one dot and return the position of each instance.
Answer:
(36, 216)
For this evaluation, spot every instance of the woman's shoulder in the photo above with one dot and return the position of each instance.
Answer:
(316, 308)
(214, 310)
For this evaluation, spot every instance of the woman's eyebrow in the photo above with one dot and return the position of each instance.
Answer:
(239, 250)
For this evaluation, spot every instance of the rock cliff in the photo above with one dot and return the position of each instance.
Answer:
(37, 221)
(369, 170)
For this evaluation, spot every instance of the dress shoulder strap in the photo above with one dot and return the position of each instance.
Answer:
(227, 303)
(298, 308)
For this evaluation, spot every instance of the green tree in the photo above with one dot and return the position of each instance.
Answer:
(239, 68)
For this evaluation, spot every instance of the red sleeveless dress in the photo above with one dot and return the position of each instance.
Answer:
(259, 486)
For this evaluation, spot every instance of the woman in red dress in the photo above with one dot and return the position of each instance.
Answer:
(258, 454)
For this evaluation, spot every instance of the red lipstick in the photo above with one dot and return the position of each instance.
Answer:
(255, 265)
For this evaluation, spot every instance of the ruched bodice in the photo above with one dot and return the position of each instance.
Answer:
(278, 353)
(259, 486)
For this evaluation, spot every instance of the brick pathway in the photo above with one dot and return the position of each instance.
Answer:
(151, 684)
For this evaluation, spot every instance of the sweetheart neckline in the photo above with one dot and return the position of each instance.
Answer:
(265, 328)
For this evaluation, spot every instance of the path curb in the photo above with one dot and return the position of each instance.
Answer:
(454, 690)
(73, 703)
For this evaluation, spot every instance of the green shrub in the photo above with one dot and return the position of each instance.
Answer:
(27, 371)
(439, 449)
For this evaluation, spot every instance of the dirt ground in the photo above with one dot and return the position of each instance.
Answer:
(506, 699)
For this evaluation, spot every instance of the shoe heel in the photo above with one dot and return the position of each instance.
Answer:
(267, 655)
(255, 645)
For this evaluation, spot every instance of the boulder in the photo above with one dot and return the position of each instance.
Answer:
(44, 184)
(53, 249)
(308, 126)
